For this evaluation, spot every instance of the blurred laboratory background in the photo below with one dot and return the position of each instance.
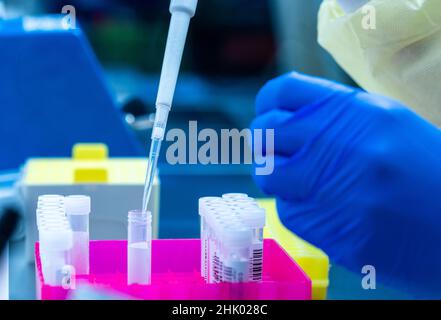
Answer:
(233, 48)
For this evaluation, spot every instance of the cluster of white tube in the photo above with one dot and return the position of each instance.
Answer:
(231, 238)
(63, 229)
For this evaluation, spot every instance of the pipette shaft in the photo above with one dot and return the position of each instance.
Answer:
(182, 11)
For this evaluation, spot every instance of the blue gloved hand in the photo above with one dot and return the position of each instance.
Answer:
(357, 175)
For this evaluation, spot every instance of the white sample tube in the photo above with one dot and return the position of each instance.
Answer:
(208, 207)
(214, 261)
(204, 206)
(235, 254)
(139, 247)
(55, 246)
(218, 216)
(55, 236)
(210, 248)
(255, 219)
(77, 211)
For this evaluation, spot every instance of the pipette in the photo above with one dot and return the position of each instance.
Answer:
(182, 11)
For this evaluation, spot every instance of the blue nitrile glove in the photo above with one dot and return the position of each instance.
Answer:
(358, 175)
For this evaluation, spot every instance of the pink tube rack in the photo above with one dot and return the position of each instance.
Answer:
(176, 275)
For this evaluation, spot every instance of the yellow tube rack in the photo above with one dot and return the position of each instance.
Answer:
(311, 259)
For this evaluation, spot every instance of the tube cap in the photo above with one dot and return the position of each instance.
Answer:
(205, 203)
(235, 196)
(254, 217)
(50, 197)
(77, 205)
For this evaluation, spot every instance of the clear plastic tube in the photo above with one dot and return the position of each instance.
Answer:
(205, 205)
(55, 238)
(220, 218)
(214, 266)
(55, 248)
(139, 248)
(212, 257)
(77, 211)
(255, 219)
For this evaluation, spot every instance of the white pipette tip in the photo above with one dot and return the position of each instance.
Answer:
(188, 6)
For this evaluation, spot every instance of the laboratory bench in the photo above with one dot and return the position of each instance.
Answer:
(180, 191)
(343, 284)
